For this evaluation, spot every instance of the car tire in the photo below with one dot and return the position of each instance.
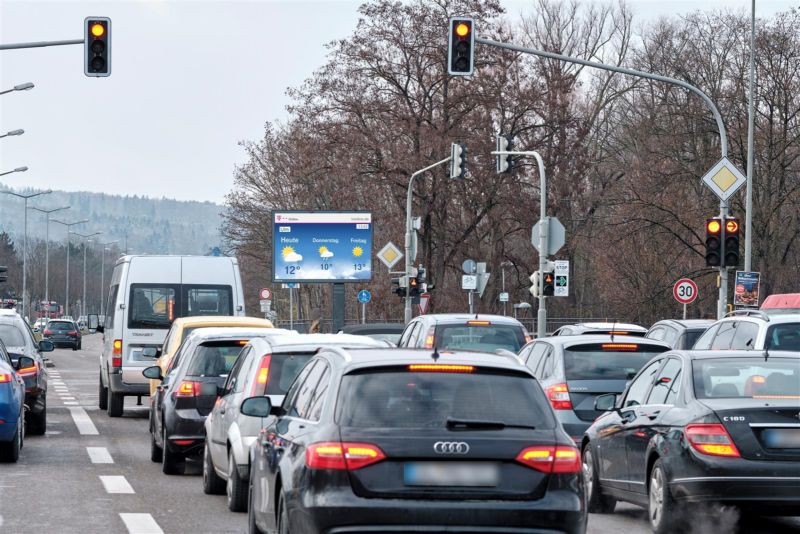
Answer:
(156, 452)
(115, 403)
(597, 502)
(236, 488)
(102, 401)
(37, 423)
(212, 482)
(662, 511)
(9, 452)
(252, 527)
(282, 515)
(171, 463)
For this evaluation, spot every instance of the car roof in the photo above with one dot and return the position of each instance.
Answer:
(686, 323)
(725, 354)
(458, 318)
(369, 357)
(609, 326)
(234, 332)
(220, 320)
(315, 341)
(5, 312)
(374, 327)
(592, 339)
(767, 316)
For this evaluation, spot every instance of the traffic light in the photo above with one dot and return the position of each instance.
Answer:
(97, 46)
(421, 279)
(3, 271)
(534, 289)
(505, 143)
(713, 242)
(731, 242)
(548, 284)
(401, 283)
(460, 51)
(458, 163)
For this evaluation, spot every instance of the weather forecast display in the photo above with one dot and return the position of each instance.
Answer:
(321, 246)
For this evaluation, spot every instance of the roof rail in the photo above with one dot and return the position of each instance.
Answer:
(509, 354)
(339, 351)
(747, 313)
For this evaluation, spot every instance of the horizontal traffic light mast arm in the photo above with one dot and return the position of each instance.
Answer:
(622, 70)
(40, 44)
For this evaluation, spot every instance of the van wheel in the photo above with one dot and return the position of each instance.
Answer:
(102, 401)
(236, 489)
(37, 424)
(212, 482)
(115, 404)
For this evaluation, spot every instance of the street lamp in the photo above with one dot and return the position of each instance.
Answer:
(21, 87)
(103, 272)
(85, 236)
(68, 225)
(25, 245)
(18, 169)
(12, 132)
(47, 250)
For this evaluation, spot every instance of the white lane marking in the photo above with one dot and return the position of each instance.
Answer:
(82, 420)
(67, 398)
(58, 382)
(1, 520)
(116, 484)
(61, 390)
(141, 524)
(99, 455)
(70, 403)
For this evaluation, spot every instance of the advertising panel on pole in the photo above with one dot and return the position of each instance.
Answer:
(321, 246)
(746, 289)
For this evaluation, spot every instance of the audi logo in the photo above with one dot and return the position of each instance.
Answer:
(451, 447)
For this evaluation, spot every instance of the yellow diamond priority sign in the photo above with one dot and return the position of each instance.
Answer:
(390, 255)
(724, 179)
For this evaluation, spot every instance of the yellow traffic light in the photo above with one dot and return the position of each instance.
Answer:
(98, 29)
(713, 226)
(462, 29)
(731, 226)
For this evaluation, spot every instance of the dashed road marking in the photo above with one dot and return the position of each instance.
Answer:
(99, 455)
(141, 524)
(67, 398)
(82, 420)
(116, 484)
(70, 403)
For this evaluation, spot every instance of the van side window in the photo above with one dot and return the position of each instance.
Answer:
(111, 307)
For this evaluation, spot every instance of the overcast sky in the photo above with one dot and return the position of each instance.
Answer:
(190, 79)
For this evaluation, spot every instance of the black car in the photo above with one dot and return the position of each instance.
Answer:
(679, 334)
(700, 427)
(390, 440)
(18, 338)
(63, 333)
(390, 332)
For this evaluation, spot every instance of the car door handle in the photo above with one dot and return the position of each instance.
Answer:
(652, 415)
(222, 410)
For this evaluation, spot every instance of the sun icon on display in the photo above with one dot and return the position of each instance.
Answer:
(358, 251)
(290, 255)
(324, 252)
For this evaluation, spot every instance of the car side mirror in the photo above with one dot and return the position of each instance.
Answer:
(24, 362)
(153, 372)
(149, 352)
(605, 403)
(92, 321)
(46, 346)
(257, 407)
(100, 329)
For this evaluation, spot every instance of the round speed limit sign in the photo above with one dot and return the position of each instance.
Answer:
(684, 291)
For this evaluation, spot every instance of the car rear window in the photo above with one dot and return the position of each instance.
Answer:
(784, 336)
(398, 398)
(283, 369)
(776, 378)
(215, 359)
(479, 335)
(692, 336)
(11, 336)
(607, 361)
(60, 326)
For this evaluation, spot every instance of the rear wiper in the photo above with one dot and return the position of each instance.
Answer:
(152, 322)
(489, 425)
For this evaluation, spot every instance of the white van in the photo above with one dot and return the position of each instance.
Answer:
(147, 293)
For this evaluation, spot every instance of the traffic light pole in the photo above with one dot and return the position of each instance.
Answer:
(723, 136)
(409, 235)
(40, 44)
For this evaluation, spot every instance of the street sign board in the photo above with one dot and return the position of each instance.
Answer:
(561, 273)
(469, 267)
(556, 235)
(747, 289)
(321, 246)
(364, 296)
(390, 255)
(469, 282)
(684, 291)
(724, 179)
(290, 285)
(503, 297)
(265, 293)
(266, 305)
(424, 299)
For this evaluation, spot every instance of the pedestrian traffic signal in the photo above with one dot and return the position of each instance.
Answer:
(548, 284)
(400, 282)
(505, 143)
(731, 242)
(458, 163)
(414, 286)
(536, 284)
(713, 242)
(460, 57)
(97, 46)
(3, 271)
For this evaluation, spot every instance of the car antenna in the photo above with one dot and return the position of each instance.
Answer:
(613, 328)
(766, 351)
(435, 354)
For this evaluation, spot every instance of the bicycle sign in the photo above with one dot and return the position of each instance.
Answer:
(684, 291)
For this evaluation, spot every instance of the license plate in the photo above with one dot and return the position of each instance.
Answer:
(781, 438)
(475, 474)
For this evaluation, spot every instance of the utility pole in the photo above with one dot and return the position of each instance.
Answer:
(748, 210)
(47, 250)
(69, 226)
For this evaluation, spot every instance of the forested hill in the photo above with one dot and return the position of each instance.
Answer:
(152, 225)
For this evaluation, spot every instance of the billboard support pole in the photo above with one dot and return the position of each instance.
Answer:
(338, 306)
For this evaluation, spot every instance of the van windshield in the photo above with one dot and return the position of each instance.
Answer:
(155, 306)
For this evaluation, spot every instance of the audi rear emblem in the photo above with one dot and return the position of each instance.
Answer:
(451, 447)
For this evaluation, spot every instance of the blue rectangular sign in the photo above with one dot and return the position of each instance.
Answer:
(321, 246)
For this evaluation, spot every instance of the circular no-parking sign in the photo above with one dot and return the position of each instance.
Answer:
(265, 293)
(684, 291)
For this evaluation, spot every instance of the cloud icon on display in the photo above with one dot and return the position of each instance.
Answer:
(327, 254)
(292, 257)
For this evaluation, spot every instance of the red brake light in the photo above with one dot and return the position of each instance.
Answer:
(479, 323)
(430, 338)
(558, 395)
(116, 354)
(551, 459)
(711, 439)
(188, 388)
(440, 368)
(48, 332)
(5, 377)
(260, 383)
(340, 456)
(620, 346)
(27, 371)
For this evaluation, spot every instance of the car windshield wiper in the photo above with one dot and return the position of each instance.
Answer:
(152, 322)
(488, 425)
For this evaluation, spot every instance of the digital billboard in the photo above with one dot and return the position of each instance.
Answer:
(321, 246)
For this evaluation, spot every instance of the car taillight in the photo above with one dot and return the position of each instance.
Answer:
(341, 456)
(48, 332)
(72, 333)
(260, 383)
(28, 371)
(558, 395)
(116, 354)
(440, 368)
(628, 347)
(188, 388)
(551, 459)
(430, 338)
(711, 439)
(5, 377)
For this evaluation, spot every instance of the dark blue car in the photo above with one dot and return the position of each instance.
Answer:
(12, 410)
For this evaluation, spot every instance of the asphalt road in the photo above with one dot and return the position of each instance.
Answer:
(90, 473)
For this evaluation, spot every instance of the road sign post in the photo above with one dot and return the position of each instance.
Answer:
(685, 292)
(364, 296)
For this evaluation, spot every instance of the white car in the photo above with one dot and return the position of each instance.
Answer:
(753, 330)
